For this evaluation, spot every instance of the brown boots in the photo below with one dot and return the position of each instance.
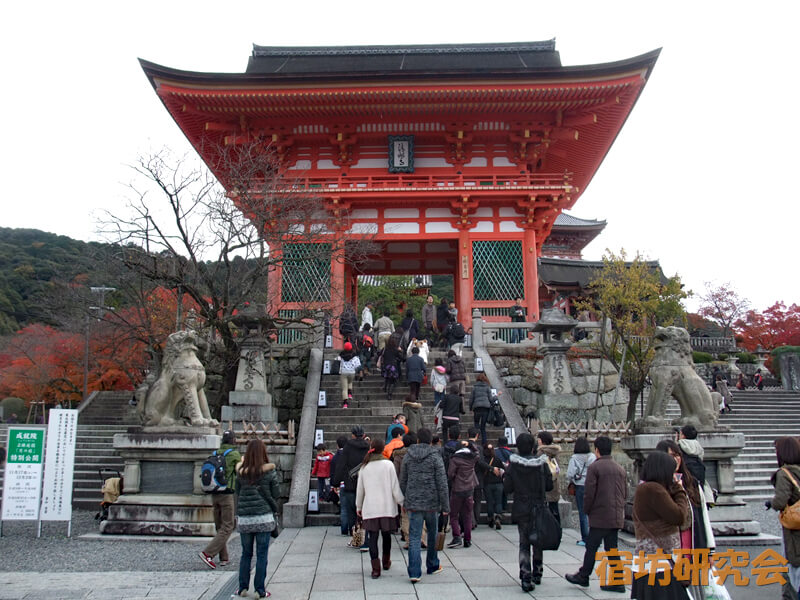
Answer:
(387, 561)
(376, 568)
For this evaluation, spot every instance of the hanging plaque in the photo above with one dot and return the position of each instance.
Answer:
(401, 154)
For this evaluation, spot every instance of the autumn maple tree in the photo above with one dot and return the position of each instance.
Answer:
(723, 305)
(778, 325)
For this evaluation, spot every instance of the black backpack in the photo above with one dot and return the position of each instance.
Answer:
(458, 331)
(213, 478)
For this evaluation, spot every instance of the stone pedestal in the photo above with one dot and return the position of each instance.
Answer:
(250, 401)
(162, 494)
(730, 515)
(790, 370)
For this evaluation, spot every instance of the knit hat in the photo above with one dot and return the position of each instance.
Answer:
(441, 369)
(348, 346)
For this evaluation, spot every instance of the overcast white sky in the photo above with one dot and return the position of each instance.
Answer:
(698, 178)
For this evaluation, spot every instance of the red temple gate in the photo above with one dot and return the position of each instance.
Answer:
(455, 159)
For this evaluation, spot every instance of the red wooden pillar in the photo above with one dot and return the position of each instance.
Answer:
(275, 284)
(530, 267)
(338, 291)
(463, 279)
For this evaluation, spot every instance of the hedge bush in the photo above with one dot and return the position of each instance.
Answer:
(702, 357)
(746, 358)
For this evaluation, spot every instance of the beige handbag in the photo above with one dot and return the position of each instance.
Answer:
(790, 516)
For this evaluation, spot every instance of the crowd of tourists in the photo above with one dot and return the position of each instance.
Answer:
(414, 482)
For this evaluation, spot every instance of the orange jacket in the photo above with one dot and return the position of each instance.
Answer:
(392, 446)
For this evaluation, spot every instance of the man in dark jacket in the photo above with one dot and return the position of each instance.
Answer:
(452, 409)
(341, 441)
(424, 485)
(442, 317)
(353, 453)
(415, 372)
(457, 372)
(224, 505)
(604, 504)
(463, 480)
(528, 478)
(480, 404)
(517, 314)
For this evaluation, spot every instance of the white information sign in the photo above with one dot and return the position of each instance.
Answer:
(329, 341)
(323, 398)
(511, 436)
(59, 465)
(319, 438)
(478, 364)
(22, 481)
(326, 367)
(313, 500)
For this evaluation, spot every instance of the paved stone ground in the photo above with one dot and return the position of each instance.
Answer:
(308, 564)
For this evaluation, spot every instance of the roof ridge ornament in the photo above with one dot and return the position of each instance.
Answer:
(541, 46)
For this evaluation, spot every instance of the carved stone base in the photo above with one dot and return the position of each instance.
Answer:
(160, 514)
(162, 493)
(730, 515)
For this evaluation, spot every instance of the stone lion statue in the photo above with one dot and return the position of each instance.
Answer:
(177, 396)
(673, 376)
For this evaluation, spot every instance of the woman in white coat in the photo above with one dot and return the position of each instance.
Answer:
(377, 498)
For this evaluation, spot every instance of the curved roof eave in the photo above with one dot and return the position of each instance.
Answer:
(154, 71)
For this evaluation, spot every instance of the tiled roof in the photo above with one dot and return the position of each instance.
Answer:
(517, 56)
(565, 220)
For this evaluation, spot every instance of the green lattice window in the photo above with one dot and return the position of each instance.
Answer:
(306, 273)
(497, 270)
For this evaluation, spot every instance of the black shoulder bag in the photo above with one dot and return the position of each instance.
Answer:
(546, 532)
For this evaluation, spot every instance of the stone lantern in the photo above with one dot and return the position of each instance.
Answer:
(553, 326)
(761, 357)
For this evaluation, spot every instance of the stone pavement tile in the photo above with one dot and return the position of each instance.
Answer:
(471, 561)
(487, 577)
(387, 585)
(332, 582)
(442, 591)
(298, 560)
(288, 591)
(561, 588)
(339, 566)
(290, 574)
(496, 593)
(503, 555)
(335, 595)
(58, 592)
(564, 568)
(410, 596)
(175, 593)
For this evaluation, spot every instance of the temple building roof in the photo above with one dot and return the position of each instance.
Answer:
(566, 273)
(414, 59)
(566, 220)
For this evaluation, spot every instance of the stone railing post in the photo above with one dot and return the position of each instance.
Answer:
(294, 511)
(513, 417)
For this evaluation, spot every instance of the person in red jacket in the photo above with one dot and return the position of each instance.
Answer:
(322, 471)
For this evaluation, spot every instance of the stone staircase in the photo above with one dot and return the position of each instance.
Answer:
(762, 416)
(107, 414)
(371, 409)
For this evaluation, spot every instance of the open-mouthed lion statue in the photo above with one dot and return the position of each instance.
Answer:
(673, 376)
(177, 396)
